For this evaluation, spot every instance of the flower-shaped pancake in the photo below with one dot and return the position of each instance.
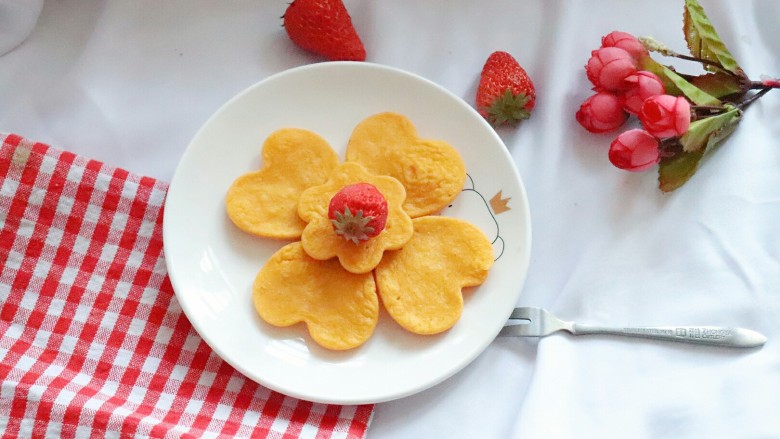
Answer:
(421, 284)
(265, 202)
(320, 240)
(340, 309)
(432, 171)
(358, 242)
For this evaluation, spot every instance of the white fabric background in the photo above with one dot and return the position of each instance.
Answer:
(17, 20)
(130, 81)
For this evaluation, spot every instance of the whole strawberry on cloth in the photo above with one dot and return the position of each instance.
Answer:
(325, 28)
(506, 94)
(358, 212)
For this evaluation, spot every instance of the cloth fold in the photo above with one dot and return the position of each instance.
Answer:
(92, 339)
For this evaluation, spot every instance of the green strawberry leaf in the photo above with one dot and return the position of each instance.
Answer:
(719, 84)
(703, 41)
(703, 131)
(676, 170)
(509, 108)
(695, 94)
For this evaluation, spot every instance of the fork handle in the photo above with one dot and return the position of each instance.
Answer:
(709, 335)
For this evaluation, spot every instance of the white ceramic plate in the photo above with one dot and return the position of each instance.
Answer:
(212, 264)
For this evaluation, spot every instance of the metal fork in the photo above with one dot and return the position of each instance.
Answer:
(538, 322)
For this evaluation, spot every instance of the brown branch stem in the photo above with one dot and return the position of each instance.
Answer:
(744, 104)
(704, 61)
(758, 85)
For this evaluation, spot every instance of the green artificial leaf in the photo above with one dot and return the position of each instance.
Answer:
(704, 42)
(676, 170)
(695, 94)
(703, 130)
(649, 64)
(720, 84)
(723, 132)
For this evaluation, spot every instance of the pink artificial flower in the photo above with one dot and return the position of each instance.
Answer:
(625, 41)
(644, 85)
(665, 115)
(601, 112)
(608, 68)
(634, 150)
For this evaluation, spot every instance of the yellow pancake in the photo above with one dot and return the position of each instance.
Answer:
(421, 284)
(264, 202)
(321, 242)
(432, 171)
(340, 309)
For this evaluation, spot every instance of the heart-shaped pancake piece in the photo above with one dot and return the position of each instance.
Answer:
(265, 202)
(421, 284)
(340, 309)
(432, 171)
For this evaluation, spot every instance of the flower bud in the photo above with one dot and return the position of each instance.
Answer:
(608, 68)
(665, 115)
(601, 112)
(643, 85)
(625, 41)
(634, 150)
(651, 44)
(767, 81)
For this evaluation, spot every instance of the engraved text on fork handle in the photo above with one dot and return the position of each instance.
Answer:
(710, 335)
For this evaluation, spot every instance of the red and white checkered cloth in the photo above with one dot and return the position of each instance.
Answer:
(92, 340)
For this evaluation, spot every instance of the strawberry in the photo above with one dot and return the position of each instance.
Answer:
(358, 212)
(325, 28)
(505, 93)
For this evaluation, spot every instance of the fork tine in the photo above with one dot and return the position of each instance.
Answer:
(529, 329)
(539, 323)
(524, 313)
(519, 330)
